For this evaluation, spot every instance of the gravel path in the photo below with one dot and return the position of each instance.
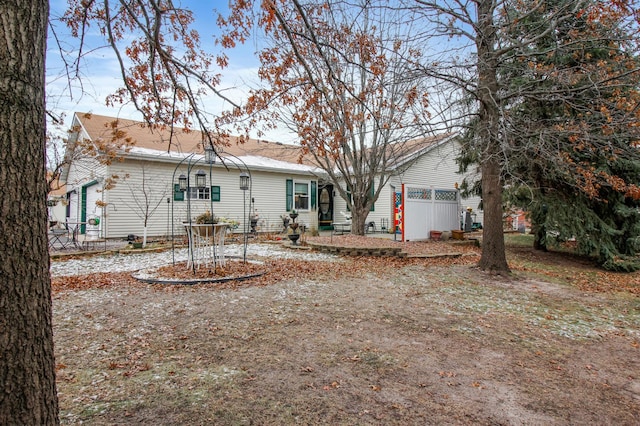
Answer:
(124, 262)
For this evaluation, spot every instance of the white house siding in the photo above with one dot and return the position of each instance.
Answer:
(126, 203)
(268, 191)
(436, 168)
(381, 209)
(86, 172)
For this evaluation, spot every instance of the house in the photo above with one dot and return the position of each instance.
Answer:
(129, 181)
(422, 194)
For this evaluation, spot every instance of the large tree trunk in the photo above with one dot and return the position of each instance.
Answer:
(493, 256)
(27, 373)
(358, 218)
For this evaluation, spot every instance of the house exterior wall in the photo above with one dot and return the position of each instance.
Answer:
(436, 168)
(125, 208)
(381, 209)
(88, 173)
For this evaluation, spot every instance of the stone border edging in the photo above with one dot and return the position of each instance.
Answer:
(196, 281)
(358, 251)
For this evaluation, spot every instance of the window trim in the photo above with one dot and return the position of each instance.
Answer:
(307, 183)
(206, 193)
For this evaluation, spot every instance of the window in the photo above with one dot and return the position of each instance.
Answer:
(212, 193)
(301, 195)
(198, 193)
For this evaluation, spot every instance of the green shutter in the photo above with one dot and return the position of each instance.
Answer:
(215, 193)
(289, 194)
(83, 210)
(314, 194)
(177, 194)
(373, 193)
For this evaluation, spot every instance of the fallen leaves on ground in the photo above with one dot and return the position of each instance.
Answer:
(273, 271)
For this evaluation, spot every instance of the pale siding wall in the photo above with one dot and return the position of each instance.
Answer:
(382, 208)
(81, 172)
(438, 168)
(435, 168)
(126, 201)
(268, 191)
(339, 205)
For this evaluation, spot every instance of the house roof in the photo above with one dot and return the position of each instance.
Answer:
(179, 140)
(177, 143)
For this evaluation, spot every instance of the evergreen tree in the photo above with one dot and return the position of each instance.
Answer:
(572, 129)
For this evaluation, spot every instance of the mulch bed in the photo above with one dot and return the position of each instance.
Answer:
(357, 245)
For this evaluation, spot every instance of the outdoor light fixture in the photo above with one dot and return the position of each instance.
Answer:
(244, 181)
(182, 182)
(209, 155)
(201, 179)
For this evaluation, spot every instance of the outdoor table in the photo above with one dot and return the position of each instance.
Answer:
(58, 239)
(341, 227)
(74, 229)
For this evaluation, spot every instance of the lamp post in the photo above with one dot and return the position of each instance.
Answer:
(245, 182)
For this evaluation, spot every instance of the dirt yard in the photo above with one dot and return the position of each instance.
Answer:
(362, 341)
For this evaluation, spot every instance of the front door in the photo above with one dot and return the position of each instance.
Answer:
(325, 204)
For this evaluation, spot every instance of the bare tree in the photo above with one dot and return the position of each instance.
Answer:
(337, 77)
(145, 199)
(480, 39)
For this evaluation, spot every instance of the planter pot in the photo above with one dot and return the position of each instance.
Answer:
(435, 235)
(204, 231)
(294, 238)
(457, 234)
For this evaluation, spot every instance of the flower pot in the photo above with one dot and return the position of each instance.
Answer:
(204, 231)
(457, 234)
(435, 235)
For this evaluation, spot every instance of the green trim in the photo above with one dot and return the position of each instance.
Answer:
(373, 193)
(177, 194)
(314, 194)
(83, 205)
(289, 204)
(215, 193)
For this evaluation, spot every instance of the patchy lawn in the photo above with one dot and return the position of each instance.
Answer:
(360, 341)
